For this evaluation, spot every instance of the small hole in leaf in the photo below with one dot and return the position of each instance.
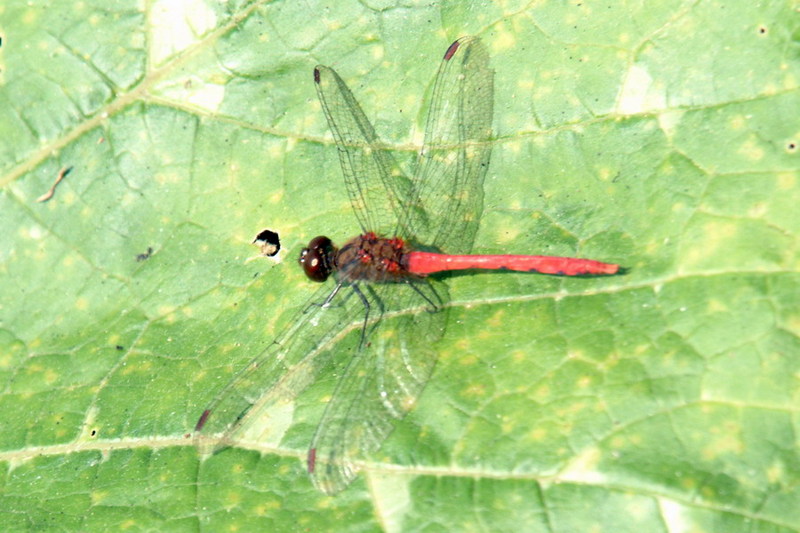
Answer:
(269, 242)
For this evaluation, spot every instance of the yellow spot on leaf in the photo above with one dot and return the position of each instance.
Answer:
(167, 177)
(641, 349)
(587, 461)
(324, 503)
(265, 508)
(759, 210)
(233, 499)
(29, 17)
(468, 360)
(776, 473)
(276, 197)
(525, 85)
(542, 394)
(504, 40)
(793, 321)
(689, 483)
(538, 434)
(507, 234)
(543, 92)
(605, 173)
(751, 149)
(617, 442)
(724, 439)
(717, 235)
(737, 122)
(716, 306)
(574, 354)
(787, 181)
(638, 93)
(409, 402)
(476, 390)
(497, 319)
(669, 121)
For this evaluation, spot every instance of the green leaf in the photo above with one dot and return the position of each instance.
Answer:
(662, 137)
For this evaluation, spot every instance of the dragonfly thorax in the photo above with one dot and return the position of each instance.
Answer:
(372, 258)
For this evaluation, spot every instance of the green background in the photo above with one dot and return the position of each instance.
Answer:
(661, 135)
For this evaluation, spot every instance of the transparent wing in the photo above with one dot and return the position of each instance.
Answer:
(379, 385)
(283, 370)
(374, 181)
(447, 196)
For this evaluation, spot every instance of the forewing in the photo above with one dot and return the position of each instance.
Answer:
(286, 367)
(448, 182)
(380, 385)
(372, 177)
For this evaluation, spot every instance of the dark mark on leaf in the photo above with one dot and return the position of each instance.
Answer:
(61, 175)
(145, 256)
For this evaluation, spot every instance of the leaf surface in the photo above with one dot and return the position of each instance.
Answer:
(661, 137)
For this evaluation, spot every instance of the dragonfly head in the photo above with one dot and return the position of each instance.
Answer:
(317, 259)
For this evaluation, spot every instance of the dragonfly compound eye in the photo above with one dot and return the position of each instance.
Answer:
(317, 258)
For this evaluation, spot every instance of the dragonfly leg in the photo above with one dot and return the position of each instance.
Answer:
(434, 307)
(328, 299)
(366, 315)
(332, 295)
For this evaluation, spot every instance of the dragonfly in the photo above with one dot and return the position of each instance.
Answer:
(378, 326)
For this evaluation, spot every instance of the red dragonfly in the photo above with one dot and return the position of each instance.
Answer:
(382, 292)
